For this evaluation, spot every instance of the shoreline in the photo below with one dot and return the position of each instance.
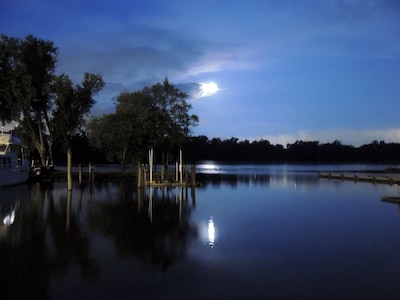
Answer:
(387, 175)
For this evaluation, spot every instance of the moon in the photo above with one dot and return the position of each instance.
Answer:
(207, 89)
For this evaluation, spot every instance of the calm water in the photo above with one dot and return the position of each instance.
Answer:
(250, 232)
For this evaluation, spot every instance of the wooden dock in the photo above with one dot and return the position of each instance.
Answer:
(391, 199)
(362, 177)
(181, 177)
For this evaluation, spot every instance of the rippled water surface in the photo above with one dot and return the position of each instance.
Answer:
(249, 232)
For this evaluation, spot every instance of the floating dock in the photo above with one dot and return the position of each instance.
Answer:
(391, 199)
(362, 177)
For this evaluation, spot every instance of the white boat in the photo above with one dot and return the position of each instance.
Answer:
(14, 165)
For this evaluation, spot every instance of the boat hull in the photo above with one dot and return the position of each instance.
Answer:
(11, 176)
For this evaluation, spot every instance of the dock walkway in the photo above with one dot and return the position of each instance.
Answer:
(392, 179)
(391, 199)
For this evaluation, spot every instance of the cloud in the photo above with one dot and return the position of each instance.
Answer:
(131, 58)
(126, 62)
(190, 89)
(197, 90)
(345, 136)
(353, 137)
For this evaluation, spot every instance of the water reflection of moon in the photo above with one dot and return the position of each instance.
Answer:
(211, 232)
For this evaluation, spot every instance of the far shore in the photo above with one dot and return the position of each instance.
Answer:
(130, 175)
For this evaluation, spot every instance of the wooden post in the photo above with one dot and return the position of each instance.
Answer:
(151, 164)
(80, 174)
(193, 175)
(176, 171)
(69, 169)
(144, 174)
(186, 174)
(139, 175)
(162, 173)
(91, 173)
(180, 165)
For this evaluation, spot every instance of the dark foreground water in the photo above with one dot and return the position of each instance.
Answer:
(250, 232)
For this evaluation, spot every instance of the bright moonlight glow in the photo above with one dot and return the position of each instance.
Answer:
(211, 232)
(207, 89)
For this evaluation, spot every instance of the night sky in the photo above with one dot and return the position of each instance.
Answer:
(276, 70)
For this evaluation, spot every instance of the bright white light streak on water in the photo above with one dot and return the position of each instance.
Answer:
(211, 232)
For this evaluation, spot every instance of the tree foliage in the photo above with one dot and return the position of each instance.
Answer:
(156, 116)
(201, 148)
(72, 104)
(26, 73)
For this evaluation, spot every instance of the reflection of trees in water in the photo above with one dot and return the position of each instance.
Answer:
(151, 225)
(39, 246)
(23, 260)
(49, 239)
(69, 244)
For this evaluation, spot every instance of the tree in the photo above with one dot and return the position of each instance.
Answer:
(125, 133)
(115, 134)
(26, 74)
(156, 116)
(72, 104)
(47, 106)
(171, 122)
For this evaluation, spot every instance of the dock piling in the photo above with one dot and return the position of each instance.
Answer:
(361, 177)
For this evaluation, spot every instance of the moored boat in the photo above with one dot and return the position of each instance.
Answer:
(14, 165)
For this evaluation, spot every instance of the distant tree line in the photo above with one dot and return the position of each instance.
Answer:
(262, 151)
(233, 150)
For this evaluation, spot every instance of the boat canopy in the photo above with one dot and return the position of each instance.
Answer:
(8, 138)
